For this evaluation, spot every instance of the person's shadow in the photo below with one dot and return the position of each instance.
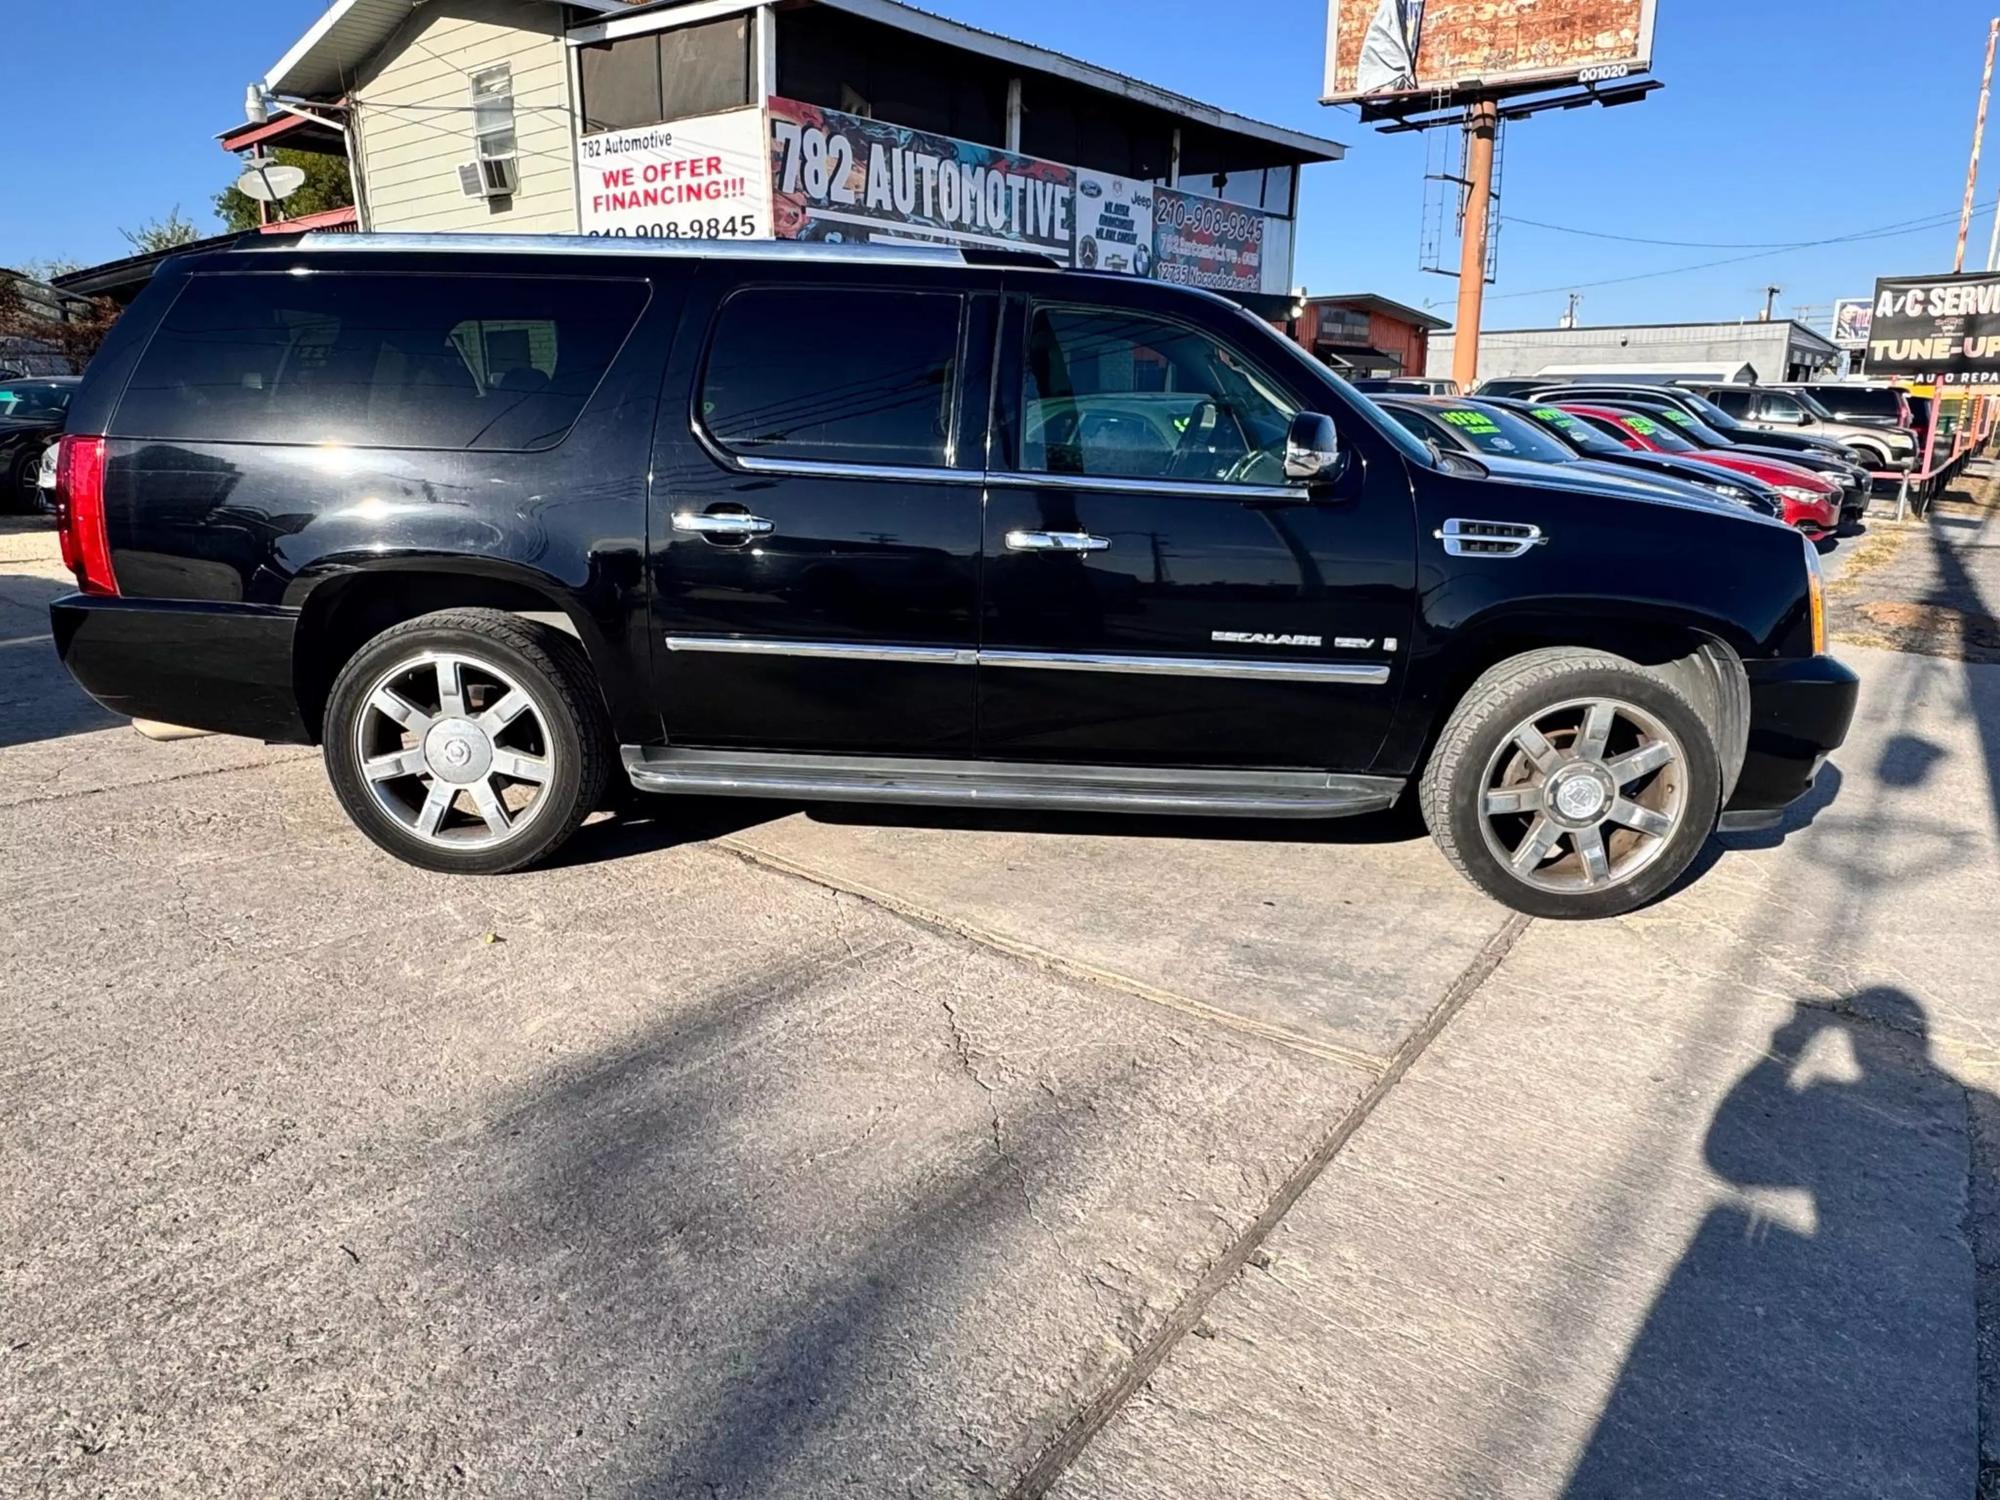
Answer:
(1817, 1338)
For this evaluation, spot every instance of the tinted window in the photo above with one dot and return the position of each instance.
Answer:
(1781, 409)
(666, 75)
(834, 375)
(1579, 434)
(1120, 395)
(1736, 403)
(1850, 402)
(378, 361)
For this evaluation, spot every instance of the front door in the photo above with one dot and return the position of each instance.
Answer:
(1157, 591)
(815, 533)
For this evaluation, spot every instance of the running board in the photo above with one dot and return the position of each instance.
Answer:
(1016, 784)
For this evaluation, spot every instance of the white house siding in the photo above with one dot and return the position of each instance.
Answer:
(416, 119)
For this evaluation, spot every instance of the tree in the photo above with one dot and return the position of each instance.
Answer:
(326, 186)
(162, 234)
(74, 328)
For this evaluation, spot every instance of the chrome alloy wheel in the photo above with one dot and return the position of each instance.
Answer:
(1584, 795)
(454, 749)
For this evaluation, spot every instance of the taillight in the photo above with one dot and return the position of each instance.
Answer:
(86, 545)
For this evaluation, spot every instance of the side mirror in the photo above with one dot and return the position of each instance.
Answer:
(1312, 448)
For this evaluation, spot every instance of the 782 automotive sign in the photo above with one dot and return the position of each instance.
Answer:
(1945, 327)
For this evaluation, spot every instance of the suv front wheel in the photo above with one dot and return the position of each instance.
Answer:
(1573, 783)
(468, 741)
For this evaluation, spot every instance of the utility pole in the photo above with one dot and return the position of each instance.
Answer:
(1481, 125)
(1569, 317)
(1770, 302)
(1978, 139)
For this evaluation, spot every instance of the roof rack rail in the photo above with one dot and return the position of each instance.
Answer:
(608, 245)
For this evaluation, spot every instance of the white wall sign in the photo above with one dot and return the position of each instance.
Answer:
(1114, 223)
(707, 178)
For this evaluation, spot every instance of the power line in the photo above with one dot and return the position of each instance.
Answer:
(1926, 221)
(1731, 260)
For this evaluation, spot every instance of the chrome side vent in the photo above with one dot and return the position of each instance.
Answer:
(1489, 538)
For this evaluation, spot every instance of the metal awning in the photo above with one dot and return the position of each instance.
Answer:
(321, 62)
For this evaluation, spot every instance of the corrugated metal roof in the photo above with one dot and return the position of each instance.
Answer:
(323, 61)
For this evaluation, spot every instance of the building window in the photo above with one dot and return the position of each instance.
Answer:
(493, 113)
(667, 75)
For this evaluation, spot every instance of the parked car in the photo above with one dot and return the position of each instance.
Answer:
(1812, 504)
(1491, 432)
(31, 419)
(1592, 443)
(1852, 489)
(536, 513)
(1819, 451)
(1510, 386)
(45, 478)
(1882, 449)
(1405, 385)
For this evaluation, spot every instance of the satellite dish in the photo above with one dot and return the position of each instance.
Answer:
(268, 180)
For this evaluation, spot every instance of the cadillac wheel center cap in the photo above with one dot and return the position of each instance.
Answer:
(1580, 799)
(458, 751)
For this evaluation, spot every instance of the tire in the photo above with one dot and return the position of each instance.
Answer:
(1485, 790)
(529, 734)
(20, 497)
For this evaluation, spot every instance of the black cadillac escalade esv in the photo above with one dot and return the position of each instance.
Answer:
(493, 519)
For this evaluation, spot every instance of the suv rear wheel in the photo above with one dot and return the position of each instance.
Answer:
(1573, 783)
(467, 741)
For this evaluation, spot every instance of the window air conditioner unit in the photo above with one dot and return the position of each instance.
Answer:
(490, 177)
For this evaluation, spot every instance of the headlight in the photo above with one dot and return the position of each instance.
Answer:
(1801, 494)
(1726, 491)
(1816, 596)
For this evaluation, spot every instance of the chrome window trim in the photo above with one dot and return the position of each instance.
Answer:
(811, 468)
(1370, 674)
(1186, 489)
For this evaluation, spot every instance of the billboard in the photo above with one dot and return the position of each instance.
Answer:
(1942, 327)
(706, 179)
(1851, 317)
(844, 178)
(840, 177)
(1384, 49)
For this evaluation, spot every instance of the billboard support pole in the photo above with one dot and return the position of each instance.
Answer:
(1482, 124)
(1978, 139)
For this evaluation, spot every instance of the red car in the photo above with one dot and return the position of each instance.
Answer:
(1811, 503)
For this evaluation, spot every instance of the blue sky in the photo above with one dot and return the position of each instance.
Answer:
(1782, 121)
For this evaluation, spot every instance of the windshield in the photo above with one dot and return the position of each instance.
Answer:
(1656, 433)
(1710, 413)
(1695, 431)
(1578, 433)
(34, 399)
(1501, 434)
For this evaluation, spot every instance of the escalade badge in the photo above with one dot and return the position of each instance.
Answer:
(1259, 638)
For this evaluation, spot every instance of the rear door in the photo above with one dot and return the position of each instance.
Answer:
(815, 520)
(1156, 591)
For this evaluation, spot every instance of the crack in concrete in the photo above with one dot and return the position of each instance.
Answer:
(1090, 1419)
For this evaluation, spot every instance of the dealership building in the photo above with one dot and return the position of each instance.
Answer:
(1779, 350)
(835, 120)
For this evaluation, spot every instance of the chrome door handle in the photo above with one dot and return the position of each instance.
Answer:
(1056, 541)
(722, 523)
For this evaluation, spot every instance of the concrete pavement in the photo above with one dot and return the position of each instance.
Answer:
(750, 1153)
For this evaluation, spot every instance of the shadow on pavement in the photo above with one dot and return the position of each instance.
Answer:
(38, 699)
(1825, 1278)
